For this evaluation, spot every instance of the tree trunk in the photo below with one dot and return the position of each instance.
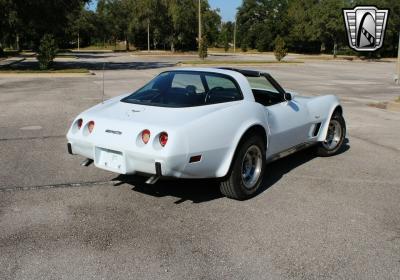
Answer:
(127, 43)
(17, 42)
(334, 48)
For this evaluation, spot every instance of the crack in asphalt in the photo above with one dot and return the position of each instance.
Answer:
(375, 143)
(32, 138)
(55, 186)
(347, 180)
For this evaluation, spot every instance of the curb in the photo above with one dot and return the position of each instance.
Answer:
(11, 61)
(393, 106)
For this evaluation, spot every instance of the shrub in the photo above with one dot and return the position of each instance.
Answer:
(203, 48)
(226, 45)
(47, 51)
(244, 44)
(280, 51)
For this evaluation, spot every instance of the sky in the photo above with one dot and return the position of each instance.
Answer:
(227, 7)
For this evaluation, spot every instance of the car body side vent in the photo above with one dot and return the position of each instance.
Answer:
(316, 129)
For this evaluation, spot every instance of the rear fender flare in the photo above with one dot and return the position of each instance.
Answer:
(240, 135)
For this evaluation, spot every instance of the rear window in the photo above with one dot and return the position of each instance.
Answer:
(186, 89)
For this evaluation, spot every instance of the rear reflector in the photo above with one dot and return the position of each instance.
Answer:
(195, 159)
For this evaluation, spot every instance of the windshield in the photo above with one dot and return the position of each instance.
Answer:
(186, 89)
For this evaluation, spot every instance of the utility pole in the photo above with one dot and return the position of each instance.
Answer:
(200, 24)
(234, 35)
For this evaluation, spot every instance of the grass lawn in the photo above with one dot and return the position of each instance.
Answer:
(65, 56)
(235, 62)
(49, 71)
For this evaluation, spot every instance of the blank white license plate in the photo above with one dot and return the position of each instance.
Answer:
(110, 160)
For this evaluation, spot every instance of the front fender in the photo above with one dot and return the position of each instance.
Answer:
(323, 107)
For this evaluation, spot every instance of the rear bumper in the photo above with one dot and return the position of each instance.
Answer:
(130, 162)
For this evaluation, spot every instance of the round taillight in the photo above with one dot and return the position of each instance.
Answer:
(163, 139)
(91, 126)
(79, 123)
(146, 136)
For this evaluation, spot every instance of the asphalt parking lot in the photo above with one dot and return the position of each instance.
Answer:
(317, 218)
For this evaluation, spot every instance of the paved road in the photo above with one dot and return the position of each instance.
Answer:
(318, 218)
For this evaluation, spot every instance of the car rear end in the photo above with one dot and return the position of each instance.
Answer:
(124, 146)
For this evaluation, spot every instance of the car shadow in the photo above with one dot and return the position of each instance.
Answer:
(277, 169)
(199, 191)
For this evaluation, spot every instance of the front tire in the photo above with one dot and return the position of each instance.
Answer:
(335, 137)
(247, 170)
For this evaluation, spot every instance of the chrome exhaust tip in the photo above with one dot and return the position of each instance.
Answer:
(87, 162)
(153, 180)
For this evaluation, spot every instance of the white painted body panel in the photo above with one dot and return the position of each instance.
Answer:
(212, 131)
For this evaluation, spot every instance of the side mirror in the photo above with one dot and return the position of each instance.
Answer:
(288, 96)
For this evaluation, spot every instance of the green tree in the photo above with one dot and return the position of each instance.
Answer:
(328, 25)
(226, 35)
(47, 51)
(203, 50)
(120, 12)
(8, 23)
(104, 24)
(301, 33)
(184, 17)
(391, 41)
(39, 17)
(211, 21)
(259, 21)
(279, 50)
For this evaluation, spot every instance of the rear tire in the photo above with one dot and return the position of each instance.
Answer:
(335, 137)
(247, 170)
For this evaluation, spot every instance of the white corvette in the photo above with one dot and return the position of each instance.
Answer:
(206, 123)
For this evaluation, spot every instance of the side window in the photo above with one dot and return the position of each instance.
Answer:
(217, 82)
(221, 89)
(183, 81)
(261, 83)
(264, 92)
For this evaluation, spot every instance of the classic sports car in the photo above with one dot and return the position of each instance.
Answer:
(206, 123)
